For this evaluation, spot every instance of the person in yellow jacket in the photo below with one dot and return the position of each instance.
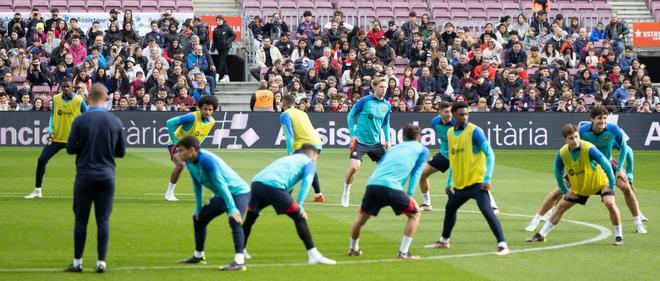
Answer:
(66, 107)
(588, 172)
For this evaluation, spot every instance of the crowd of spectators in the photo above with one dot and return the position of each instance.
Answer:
(166, 69)
(516, 65)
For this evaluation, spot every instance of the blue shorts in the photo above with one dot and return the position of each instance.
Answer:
(375, 151)
(376, 197)
(439, 162)
(264, 196)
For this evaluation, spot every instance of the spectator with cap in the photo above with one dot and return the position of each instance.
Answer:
(305, 27)
(384, 52)
(391, 30)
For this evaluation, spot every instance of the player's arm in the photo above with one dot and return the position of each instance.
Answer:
(559, 174)
(630, 163)
(308, 177)
(480, 141)
(220, 185)
(83, 107)
(351, 118)
(386, 126)
(596, 155)
(287, 126)
(199, 195)
(50, 123)
(449, 179)
(72, 144)
(417, 171)
(174, 122)
(623, 147)
(120, 147)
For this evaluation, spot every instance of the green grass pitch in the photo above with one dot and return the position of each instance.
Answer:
(149, 235)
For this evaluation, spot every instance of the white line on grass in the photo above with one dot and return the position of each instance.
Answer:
(604, 233)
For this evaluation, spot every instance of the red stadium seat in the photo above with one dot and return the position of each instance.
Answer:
(77, 6)
(166, 4)
(22, 5)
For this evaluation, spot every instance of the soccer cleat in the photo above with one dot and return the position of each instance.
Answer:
(502, 251)
(640, 228)
(496, 211)
(170, 197)
(437, 245)
(73, 268)
(345, 196)
(354, 253)
(321, 260)
(644, 218)
(425, 208)
(101, 269)
(247, 256)
(531, 227)
(233, 266)
(194, 259)
(34, 194)
(406, 256)
(320, 198)
(536, 238)
(618, 241)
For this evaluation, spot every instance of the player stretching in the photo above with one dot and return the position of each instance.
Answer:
(385, 188)
(198, 124)
(441, 125)
(575, 161)
(365, 120)
(299, 130)
(231, 196)
(273, 186)
(66, 107)
(472, 161)
(604, 136)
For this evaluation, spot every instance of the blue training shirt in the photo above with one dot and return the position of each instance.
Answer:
(441, 133)
(605, 140)
(371, 115)
(285, 172)
(402, 163)
(595, 156)
(213, 173)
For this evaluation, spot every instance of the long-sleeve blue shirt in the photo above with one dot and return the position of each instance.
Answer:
(286, 172)
(595, 156)
(209, 171)
(479, 144)
(371, 115)
(403, 163)
(605, 140)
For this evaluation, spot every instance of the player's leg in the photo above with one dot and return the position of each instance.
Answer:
(318, 196)
(409, 231)
(455, 199)
(214, 208)
(82, 203)
(353, 167)
(550, 200)
(484, 204)
(356, 229)
(631, 201)
(179, 165)
(607, 197)
(424, 184)
(569, 201)
(104, 193)
(238, 235)
(46, 154)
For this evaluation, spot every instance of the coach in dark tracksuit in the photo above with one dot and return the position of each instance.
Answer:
(96, 138)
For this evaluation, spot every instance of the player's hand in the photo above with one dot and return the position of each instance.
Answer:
(449, 192)
(485, 186)
(195, 217)
(303, 214)
(213, 68)
(236, 215)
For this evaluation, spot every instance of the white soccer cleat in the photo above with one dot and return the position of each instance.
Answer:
(34, 194)
(531, 227)
(345, 196)
(640, 228)
(321, 260)
(644, 218)
(170, 197)
(246, 255)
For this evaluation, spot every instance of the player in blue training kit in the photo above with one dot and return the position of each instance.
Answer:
(440, 161)
(365, 121)
(231, 196)
(273, 186)
(605, 136)
(403, 163)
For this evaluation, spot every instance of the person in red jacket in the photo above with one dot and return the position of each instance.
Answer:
(375, 33)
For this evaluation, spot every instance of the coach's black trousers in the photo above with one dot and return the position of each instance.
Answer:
(101, 193)
(458, 197)
(222, 68)
(48, 152)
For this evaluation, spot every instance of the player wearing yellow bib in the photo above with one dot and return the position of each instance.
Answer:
(197, 124)
(472, 162)
(588, 172)
(298, 130)
(66, 107)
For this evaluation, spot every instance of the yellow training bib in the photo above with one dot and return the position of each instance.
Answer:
(585, 176)
(64, 112)
(467, 167)
(303, 130)
(199, 129)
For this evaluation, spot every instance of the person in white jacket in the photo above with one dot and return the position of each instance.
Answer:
(263, 60)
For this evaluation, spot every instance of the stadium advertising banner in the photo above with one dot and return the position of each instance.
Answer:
(646, 34)
(235, 22)
(236, 130)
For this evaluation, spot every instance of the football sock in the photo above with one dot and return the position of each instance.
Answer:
(99, 263)
(638, 219)
(427, 198)
(198, 254)
(314, 253)
(354, 244)
(239, 258)
(502, 244)
(170, 188)
(537, 218)
(37, 189)
(77, 262)
(546, 229)
(618, 232)
(405, 244)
